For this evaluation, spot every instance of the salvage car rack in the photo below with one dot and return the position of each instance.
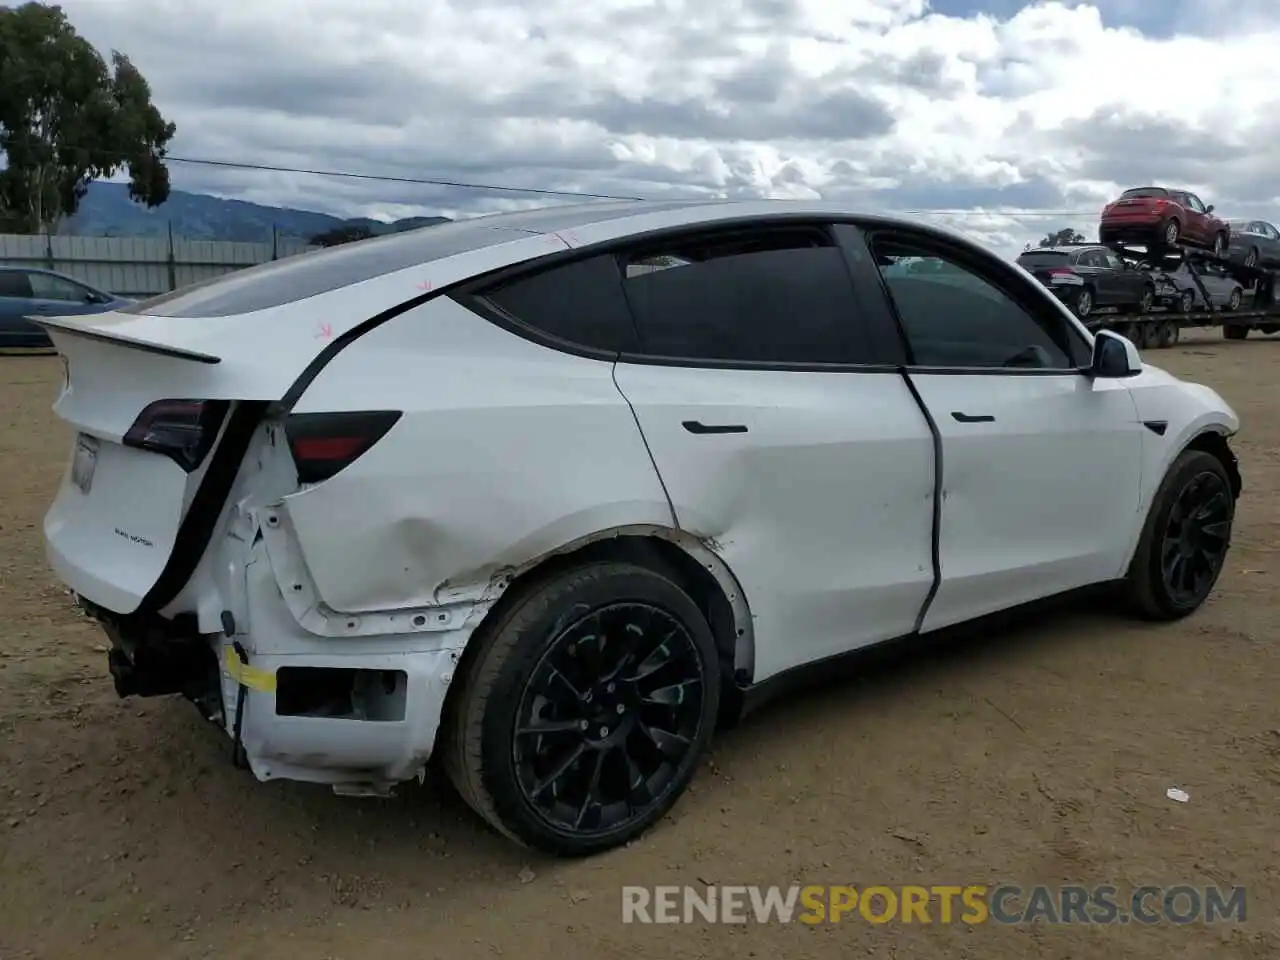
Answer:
(1161, 327)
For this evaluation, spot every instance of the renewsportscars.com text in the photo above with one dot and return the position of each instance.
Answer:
(969, 904)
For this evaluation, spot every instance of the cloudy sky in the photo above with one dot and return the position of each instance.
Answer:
(1000, 117)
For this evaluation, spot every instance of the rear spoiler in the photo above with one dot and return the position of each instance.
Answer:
(68, 325)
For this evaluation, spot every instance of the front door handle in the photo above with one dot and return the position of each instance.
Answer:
(972, 417)
(700, 428)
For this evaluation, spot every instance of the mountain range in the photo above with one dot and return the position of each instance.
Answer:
(107, 211)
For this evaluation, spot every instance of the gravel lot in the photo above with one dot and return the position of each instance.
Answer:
(1039, 754)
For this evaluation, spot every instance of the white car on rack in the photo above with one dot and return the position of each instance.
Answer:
(551, 492)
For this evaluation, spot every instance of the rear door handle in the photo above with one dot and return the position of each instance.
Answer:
(972, 417)
(698, 427)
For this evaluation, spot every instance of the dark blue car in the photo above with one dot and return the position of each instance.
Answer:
(30, 292)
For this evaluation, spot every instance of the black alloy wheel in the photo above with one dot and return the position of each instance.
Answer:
(609, 715)
(1196, 537)
(586, 705)
(1185, 538)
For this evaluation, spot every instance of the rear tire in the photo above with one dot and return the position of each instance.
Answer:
(1164, 334)
(1233, 302)
(1171, 232)
(1084, 303)
(1219, 245)
(1186, 302)
(618, 745)
(1251, 258)
(1184, 541)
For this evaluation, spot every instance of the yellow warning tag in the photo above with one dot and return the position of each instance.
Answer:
(263, 681)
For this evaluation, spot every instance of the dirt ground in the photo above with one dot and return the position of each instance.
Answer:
(1039, 755)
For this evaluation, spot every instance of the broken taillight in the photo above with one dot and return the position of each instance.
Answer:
(324, 443)
(182, 430)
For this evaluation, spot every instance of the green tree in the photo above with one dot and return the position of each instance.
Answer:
(1060, 237)
(67, 118)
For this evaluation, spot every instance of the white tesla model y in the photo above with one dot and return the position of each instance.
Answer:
(552, 492)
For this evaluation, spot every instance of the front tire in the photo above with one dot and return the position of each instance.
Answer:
(1186, 302)
(1185, 539)
(586, 709)
(1148, 300)
(1219, 245)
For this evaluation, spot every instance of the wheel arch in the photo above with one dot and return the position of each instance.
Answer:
(1214, 442)
(1209, 437)
(690, 562)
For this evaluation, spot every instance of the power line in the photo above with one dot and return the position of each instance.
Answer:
(427, 181)
(383, 178)
(540, 191)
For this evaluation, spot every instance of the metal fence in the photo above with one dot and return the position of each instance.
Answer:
(141, 266)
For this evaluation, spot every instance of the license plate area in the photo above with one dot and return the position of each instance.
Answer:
(84, 461)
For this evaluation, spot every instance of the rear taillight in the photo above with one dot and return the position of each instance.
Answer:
(324, 443)
(182, 430)
(1157, 206)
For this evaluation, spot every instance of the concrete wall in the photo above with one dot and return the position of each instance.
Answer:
(140, 266)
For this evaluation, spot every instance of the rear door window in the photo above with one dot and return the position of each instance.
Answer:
(578, 304)
(1043, 260)
(770, 295)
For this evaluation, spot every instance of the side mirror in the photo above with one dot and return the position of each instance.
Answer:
(1114, 357)
(1209, 208)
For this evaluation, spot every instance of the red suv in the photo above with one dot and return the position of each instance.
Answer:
(1163, 217)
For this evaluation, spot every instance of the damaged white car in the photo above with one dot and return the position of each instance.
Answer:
(550, 493)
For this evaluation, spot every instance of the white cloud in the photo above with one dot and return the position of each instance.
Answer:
(885, 102)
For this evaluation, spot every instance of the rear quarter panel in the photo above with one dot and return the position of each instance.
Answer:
(507, 451)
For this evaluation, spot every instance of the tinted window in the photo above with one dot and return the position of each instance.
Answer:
(1044, 260)
(1144, 192)
(48, 287)
(776, 296)
(581, 302)
(965, 320)
(14, 283)
(311, 274)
